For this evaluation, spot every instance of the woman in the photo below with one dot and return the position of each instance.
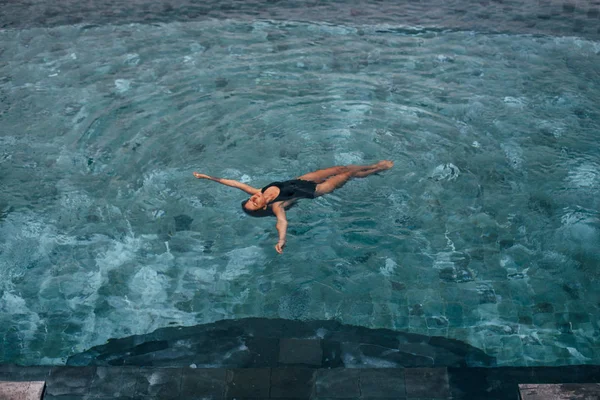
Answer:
(276, 197)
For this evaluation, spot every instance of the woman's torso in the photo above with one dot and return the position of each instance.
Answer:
(292, 189)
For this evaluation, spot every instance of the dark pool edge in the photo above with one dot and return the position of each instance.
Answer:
(156, 383)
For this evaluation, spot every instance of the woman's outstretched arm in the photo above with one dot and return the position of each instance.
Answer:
(281, 226)
(229, 182)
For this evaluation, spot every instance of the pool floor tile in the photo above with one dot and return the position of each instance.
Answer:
(113, 382)
(251, 382)
(383, 383)
(427, 383)
(202, 383)
(70, 380)
(338, 383)
(158, 382)
(17, 373)
(292, 382)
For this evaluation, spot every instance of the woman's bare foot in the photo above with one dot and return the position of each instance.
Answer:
(363, 171)
(385, 164)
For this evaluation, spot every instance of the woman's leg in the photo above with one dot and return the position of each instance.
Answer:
(322, 174)
(339, 180)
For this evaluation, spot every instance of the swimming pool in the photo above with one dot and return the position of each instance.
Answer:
(485, 231)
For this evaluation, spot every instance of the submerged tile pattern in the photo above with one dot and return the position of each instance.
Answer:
(427, 382)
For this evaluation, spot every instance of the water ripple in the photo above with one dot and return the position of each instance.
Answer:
(493, 138)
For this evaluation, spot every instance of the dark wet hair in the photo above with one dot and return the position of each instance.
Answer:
(257, 213)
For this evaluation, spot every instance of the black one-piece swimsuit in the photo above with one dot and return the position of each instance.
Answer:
(293, 189)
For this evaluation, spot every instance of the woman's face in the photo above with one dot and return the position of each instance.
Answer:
(256, 202)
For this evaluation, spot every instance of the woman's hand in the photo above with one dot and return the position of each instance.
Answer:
(279, 246)
(200, 176)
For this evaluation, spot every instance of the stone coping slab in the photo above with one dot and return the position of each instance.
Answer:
(580, 391)
(21, 390)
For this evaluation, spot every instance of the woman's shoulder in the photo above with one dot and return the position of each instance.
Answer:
(276, 184)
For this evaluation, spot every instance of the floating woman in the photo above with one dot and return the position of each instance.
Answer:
(276, 197)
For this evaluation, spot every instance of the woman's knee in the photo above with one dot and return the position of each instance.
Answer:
(324, 188)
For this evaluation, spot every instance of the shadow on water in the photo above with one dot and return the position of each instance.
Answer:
(256, 342)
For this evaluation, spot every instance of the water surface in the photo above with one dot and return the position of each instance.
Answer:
(485, 231)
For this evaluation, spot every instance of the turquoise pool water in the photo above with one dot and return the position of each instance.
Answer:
(486, 230)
